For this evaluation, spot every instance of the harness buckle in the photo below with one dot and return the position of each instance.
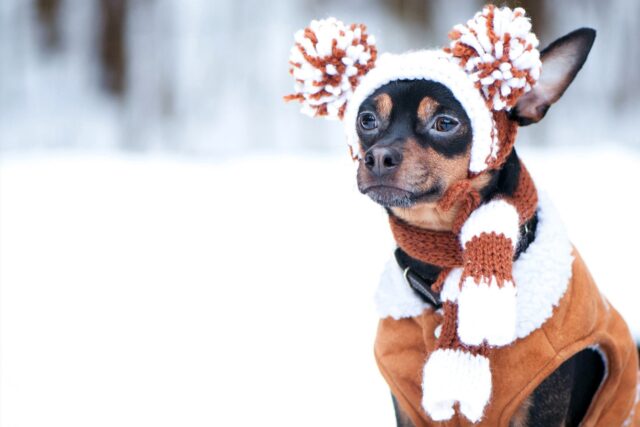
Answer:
(418, 284)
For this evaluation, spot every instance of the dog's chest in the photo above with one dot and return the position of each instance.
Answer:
(541, 273)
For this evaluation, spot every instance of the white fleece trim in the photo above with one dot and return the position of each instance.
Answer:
(487, 312)
(437, 66)
(541, 274)
(395, 297)
(454, 375)
(497, 216)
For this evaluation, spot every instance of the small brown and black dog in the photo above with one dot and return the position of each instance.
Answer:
(416, 140)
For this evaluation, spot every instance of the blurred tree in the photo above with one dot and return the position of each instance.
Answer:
(418, 13)
(187, 72)
(113, 15)
(48, 16)
(411, 12)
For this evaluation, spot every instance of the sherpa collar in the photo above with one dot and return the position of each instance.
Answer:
(542, 273)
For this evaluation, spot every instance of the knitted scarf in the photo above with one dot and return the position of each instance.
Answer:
(475, 284)
(482, 254)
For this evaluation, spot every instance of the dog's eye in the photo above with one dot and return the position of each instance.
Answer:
(368, 121)
(444, 124)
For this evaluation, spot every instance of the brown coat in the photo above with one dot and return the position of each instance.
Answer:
(582, 319)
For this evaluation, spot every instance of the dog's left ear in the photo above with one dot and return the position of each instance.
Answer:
(561, 61)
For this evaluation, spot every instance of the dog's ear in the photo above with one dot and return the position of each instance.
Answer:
(561, 61)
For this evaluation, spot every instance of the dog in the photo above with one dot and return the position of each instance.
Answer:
(448, 294)
(417, 137)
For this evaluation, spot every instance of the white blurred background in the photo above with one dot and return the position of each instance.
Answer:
(179, 247)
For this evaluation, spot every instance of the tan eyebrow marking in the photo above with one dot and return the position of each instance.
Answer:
(384, 104)
(426, 108)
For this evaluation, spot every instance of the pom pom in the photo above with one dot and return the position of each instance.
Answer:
(499, 51)
(327, 63)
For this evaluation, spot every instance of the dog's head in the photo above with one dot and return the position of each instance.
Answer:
(415, 137)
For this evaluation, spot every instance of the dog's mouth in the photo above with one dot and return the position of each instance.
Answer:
(391, 196)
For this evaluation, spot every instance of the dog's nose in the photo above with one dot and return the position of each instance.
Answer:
(382, 160)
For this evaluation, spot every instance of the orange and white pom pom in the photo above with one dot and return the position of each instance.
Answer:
(499, 52)
(327, 62)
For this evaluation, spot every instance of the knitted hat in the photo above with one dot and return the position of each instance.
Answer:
(491, 61)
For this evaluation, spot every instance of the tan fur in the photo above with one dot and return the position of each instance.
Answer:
(384, 105)
(426, 109)
(426, 215)
(424, 168)
(521, 417)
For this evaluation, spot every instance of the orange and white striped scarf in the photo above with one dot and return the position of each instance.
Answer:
(476, 286)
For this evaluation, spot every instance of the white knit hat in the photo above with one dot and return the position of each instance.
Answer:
(490, 63)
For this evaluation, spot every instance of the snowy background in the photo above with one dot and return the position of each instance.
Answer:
(180, 248)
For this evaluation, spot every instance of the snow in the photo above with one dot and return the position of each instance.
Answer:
(150, 290)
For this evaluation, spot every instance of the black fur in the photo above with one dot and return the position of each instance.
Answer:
(402, 420)
(387, 141)
(588, 375)
(406, 96)
(567, 393)
(504, 181)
